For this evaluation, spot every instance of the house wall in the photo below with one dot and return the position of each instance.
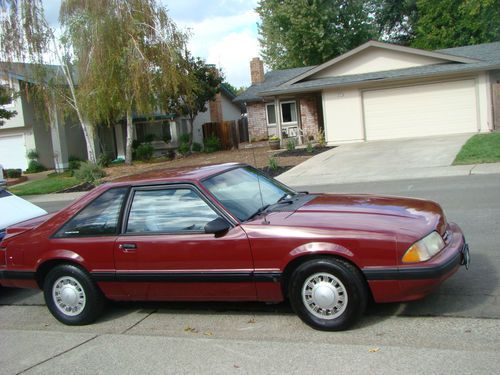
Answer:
(343, 115)
(199, 120)
(485, 105)
(375, 60)
(40, 139)
(16, 105)
(75, 140)
(257, 123)
(343, 108)
(309, 116)
(230, 111)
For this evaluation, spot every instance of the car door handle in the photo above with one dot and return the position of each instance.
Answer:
(127, 247)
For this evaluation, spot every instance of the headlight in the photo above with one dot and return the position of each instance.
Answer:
(424, 249)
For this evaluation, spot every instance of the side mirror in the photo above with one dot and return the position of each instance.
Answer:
(217, 226)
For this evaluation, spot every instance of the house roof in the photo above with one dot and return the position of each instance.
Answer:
(272, 80)
(27, 72)
(459, 60)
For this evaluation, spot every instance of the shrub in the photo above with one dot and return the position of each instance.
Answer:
(310, 147)
(135, 144)
(35, 167)
(184, 138)
(273, 163)
(184, 148)
(13, 173)
(32, 154)
(74, 163)
(89, 172)
(197, 147)
(212, 144)
(290, 144)
(321, 139)
(104, 160)
(144, 151)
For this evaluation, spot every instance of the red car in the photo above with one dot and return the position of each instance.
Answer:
(228, 233)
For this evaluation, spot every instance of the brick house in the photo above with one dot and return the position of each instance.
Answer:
(378, 91)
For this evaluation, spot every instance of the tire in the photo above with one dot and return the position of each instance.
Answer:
(71, 296)
(328, 294)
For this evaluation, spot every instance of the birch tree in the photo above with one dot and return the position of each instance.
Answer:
(129, 52)
(27, 37)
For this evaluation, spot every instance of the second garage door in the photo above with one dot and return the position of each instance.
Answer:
(13, 152)
(422, 110)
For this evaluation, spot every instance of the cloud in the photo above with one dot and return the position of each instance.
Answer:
(233, 54)
(223, 32)
(229, 42)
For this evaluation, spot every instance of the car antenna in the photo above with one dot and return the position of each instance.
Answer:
(260, 188)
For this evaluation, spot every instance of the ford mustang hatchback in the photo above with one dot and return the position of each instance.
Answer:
(228, 233)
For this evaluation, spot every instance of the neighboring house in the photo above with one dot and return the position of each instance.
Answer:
(167, 129)
(54, 142)
(379, 91)
(60, 137)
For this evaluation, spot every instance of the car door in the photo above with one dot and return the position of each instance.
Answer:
(164, 248)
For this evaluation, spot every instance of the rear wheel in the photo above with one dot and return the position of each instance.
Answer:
(328, 294)
(71, 296)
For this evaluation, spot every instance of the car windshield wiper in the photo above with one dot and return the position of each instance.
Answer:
(285, 198)
(259, 211)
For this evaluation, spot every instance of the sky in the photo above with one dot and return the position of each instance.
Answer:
(222, 32)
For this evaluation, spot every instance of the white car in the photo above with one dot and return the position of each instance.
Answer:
(14, 210)
(3, 182)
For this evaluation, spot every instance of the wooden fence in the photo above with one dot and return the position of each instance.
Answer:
(230, 133)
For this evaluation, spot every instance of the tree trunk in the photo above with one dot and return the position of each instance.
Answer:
(190, 131)
(88, 133)
(130, 136)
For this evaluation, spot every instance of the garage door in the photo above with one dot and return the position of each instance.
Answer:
(13, 152)
(423, 110)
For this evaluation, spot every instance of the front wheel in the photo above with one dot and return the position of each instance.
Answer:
(328, 294)
(71, 296)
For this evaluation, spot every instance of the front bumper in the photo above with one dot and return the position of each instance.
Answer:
(406, 283)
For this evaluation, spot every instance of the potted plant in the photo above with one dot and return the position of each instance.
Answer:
(274, 142)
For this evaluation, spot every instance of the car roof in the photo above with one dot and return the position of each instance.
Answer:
(185, 174)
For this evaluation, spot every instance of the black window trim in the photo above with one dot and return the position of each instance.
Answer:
(168, 186)
(118, 224)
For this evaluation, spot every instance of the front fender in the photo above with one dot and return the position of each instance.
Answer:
(318, 248)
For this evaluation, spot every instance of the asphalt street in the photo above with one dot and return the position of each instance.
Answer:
(454, 330)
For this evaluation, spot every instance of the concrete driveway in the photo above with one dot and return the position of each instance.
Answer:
(383, 160)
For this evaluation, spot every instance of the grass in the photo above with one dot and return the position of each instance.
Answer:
(481, 148)
(53, 183)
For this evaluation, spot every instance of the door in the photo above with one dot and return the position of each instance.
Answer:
(165, 253)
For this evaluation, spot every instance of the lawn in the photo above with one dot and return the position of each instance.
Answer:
(51, 184)
(481, 148)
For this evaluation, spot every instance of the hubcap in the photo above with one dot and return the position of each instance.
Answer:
(69, 296)
(324, 295)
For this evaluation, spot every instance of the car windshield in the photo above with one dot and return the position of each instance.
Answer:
(245, 191)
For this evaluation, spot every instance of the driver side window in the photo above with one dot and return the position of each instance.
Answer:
(176, 210)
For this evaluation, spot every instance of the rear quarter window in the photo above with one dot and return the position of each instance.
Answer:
(99, 218)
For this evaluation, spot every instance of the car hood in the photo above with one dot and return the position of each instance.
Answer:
(399, 216)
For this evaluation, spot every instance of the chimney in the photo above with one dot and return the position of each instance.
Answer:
(256, 70)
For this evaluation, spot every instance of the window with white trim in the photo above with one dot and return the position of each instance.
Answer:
(289, 112)
(271, 114)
